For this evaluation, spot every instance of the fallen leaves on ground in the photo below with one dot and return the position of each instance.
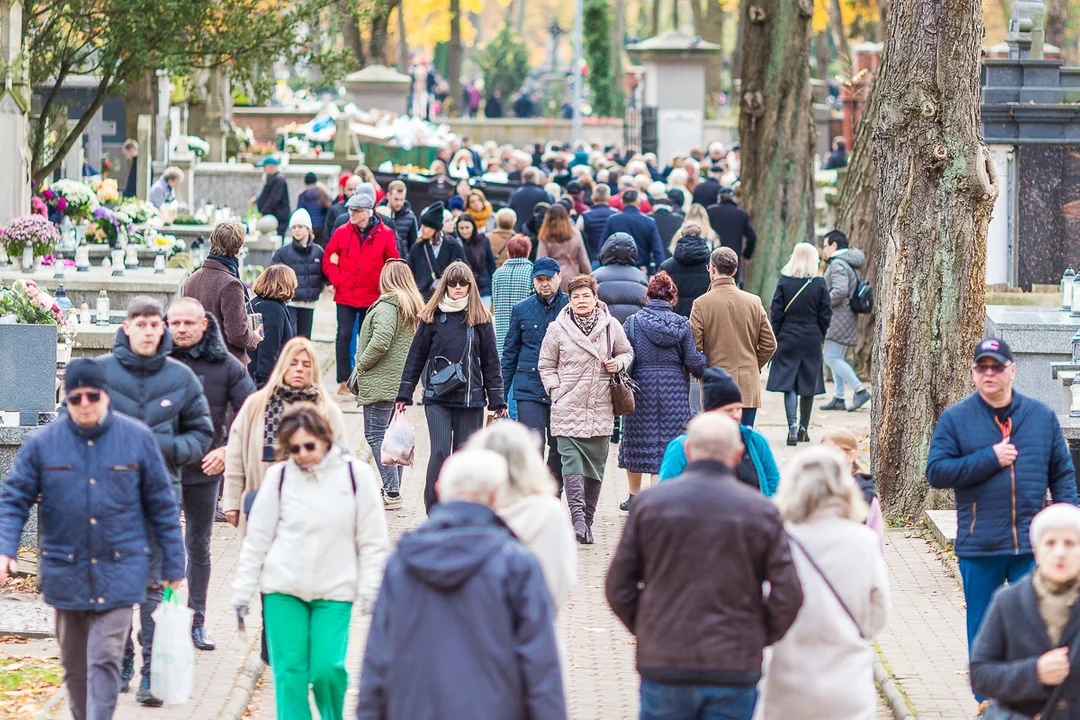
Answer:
(26, 684)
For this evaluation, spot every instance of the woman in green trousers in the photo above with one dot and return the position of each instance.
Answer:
(316, 544)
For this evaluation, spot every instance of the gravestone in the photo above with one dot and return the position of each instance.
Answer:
(145, 172)
(14, 120)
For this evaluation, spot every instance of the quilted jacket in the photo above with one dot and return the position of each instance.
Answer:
(529, 324)
(841, 279)
(571, 368)
(381, 352)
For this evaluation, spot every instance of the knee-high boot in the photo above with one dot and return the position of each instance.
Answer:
(592, 497)
(575, 500)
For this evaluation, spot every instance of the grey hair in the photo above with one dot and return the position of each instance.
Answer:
(190, 302)
(712, 436)
(818, 480)
(1059, 516)
(473, 475)
(517, 444)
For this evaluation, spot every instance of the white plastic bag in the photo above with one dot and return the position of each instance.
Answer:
(172, 666)
(398, 445)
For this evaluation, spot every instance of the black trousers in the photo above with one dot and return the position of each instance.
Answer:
(346, 322)
(537, 415)
(302, 320)
(200, 504)
(448, 429)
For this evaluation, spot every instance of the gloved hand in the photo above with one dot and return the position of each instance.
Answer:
(367, 605)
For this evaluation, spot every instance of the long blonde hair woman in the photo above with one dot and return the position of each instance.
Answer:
(455, 330)
(295, 378)
(822, 669)
(696, 215)
(381, 350)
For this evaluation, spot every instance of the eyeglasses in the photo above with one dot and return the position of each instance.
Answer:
(458, 283)
(991, 369)
(295, 449)
(78, 398)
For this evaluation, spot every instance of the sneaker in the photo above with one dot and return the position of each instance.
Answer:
(392, 502)
(837, 403)
(625, 504)
(126, 672)
(861, 398)
(143, 696)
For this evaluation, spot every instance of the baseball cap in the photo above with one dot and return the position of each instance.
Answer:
(268, 160)
(994, 348)
(546, 267)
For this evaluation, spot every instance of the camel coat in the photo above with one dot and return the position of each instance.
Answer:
(244, 466)
(733, 330)
(571, 368)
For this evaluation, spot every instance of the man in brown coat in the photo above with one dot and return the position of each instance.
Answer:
(217, 285)
(733, 330)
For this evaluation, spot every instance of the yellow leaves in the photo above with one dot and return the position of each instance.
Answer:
(428, 21)
(850, 11)
(26, 684)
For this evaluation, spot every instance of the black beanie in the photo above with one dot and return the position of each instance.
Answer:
(84, 373)
(718, 389)
(433, 216)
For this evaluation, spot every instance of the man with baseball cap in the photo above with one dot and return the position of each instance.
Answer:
(101, 483)
(273, 199)
(1000, 452)
(521, 354)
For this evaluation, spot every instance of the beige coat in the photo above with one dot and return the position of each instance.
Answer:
(244, 466)
(571, 255)
(571, 368)
(733, 330)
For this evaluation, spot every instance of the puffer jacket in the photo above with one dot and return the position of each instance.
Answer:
(689, 269)
(406, 226)
(361, 256)
(129, 491)
(841, 278)
(622, 284)
(529, 323)
(995, 505)
(572, 370)
(313, 535)
(163, 393)
(381, 352)
(306, 262)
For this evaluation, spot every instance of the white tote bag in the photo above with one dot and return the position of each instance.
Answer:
(172, 666)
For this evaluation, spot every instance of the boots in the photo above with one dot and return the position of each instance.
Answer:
(575, 500)
(835, 404)
(592, 497)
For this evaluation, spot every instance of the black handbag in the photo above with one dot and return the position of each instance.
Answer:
(455, 375)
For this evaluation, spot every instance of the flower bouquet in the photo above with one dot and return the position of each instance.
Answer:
(31, 230)
(108, 192)
(139, 211)
(73, 198)
(107, 226)
(33, 306)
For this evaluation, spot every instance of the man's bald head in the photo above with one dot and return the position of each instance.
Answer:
(187, 322)
(351, 184)
(712, 436)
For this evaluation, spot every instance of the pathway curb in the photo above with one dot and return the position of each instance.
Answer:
(888, 687)
(57, 697)
(243, 687)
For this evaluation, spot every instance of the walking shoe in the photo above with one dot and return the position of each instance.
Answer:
(143, 696)
(392, 501)
(201, 639)
(837, 403)
(126, 672)
(804, 435)
(861, 398)
(625, 504)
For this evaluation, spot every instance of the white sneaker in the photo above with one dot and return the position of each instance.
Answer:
(392, 503)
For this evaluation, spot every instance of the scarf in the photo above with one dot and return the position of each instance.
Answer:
(482, 216)
(1055, 603)
(447, 305)
(276, 405)
(586, 324)
(231, 264)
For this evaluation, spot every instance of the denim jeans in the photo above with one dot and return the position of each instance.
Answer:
(200, 504)
(376, 417)
(749, 415)
(697, 702)
(843, 373)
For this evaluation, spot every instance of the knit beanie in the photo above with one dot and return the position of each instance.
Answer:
(718, 389)
(432, 216)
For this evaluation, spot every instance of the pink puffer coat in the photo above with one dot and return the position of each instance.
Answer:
(571, 368)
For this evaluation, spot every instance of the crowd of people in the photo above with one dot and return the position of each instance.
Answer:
(541, 334)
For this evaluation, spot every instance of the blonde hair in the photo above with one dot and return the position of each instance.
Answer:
(696, 215)
(475, 312)
(258, 400)
(817, 480)
(803, 262)
(398, 279)
(529, 474)
(846, 441)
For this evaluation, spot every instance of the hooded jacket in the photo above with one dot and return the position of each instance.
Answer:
(689, 269)
(841, 278)
(644, 231)
(306, 261)
(163, 393)
(225, 383)
(622, 284)
(361, 256)
(464, 606)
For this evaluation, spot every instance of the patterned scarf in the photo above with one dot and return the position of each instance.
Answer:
(1055, 603)
(588, 323)
(276, 405)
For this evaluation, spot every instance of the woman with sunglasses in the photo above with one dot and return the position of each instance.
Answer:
(454, 349)
(317, 544)
(478, 254)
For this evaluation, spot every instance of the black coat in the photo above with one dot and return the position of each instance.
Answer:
(336, 212)
(689, 268)
(306, 262)
(225, 383)
(524, 200)
(732, 224)
(668, 221)
(1011, 638)
(444, 342)
(800, 321)
(482, 261)
(405, 225)
(131, 187)
(274, 200)
(277, 330)
(622, 284)
(427, 268)
(707, 191)
(164, 394)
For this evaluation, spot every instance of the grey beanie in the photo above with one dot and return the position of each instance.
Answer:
(362, 199)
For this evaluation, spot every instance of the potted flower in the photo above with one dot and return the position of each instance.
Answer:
(29, 238)
(108, 227)
(108, 192)
(79, 200)
(30, 317)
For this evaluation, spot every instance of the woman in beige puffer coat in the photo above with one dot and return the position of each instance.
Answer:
(582, 349)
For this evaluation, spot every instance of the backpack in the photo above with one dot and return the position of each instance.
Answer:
(861, 300)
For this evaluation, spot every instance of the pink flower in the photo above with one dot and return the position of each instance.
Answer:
(61, 204)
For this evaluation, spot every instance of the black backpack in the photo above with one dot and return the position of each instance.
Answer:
(861, 300)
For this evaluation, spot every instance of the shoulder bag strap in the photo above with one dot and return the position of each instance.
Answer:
(352, 478)
(805, 285)
(829, 584)
(427, 256)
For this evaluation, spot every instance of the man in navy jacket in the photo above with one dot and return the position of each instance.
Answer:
(1000, 452)
(529, 322)
(101, 482)
(640, 227)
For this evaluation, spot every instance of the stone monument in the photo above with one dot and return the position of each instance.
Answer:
(14, 115)
(378, 87)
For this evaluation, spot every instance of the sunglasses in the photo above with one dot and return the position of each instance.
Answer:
(458, 283)
(295, 449)
(992, 369)
(78, 398)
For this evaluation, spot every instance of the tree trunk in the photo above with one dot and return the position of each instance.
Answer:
(714, 69)
(350, 32)
(836, 24)
(618, 46)
(403, 40)
(936, 190)
(697, 15)
(378, 46)
(675, 15)
(140, 98)
(883, 20)
(737, 56)
(1057, 18)
(822, 56)
(654, 23)
(776, 131)
(453, 61)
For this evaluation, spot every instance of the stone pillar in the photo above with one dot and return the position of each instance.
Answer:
(14, 118)
(213, 129)
(1026, 34)
(94, 149)
(161, 120)
(144, 136)
(71, 167)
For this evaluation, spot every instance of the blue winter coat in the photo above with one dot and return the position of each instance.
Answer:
(529, 322)
(757, 447)
(644, 231)
(995, 505)
(99, 489)
(463, 607)
(664, 358)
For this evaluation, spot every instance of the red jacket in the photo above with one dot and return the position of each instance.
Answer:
(361, 257)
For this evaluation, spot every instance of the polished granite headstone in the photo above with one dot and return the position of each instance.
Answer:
(1038, 336)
